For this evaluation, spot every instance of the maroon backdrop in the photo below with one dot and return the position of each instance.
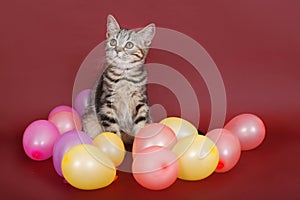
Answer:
(254, 43)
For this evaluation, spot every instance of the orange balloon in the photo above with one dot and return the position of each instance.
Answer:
(66, 121)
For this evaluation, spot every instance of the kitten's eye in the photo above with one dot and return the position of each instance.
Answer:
(113, 42)
(129, 45)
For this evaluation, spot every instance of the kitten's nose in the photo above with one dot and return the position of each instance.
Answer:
(119, 49)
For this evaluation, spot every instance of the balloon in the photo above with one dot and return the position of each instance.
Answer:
(62, 108)
(154, 134)
(66, 121)
(181, 127)
(85, 167)
(197, 156)
(64, 143)
(82, 100)
(228, 146)
(111, 145)
(39, 138)
(249, 129)
(155, 168)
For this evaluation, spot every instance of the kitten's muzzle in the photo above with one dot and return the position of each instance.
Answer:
(119, 49)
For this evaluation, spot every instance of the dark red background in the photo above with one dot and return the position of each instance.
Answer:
(254, 43)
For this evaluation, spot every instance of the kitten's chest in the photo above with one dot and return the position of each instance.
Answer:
(125, 89)
(125, 94)
(125, 103)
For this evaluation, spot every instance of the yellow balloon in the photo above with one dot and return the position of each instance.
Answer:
(112, 145)
(85, 167)
(181, 127)
(198, 157)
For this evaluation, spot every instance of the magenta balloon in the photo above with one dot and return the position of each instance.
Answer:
(249, 128)
(81, 101)
(64, 143)
(228, 146)
(154, 134)
(60, 108)
(155, 168)
(39, 138)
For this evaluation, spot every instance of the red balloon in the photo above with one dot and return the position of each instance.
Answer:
(229, 148)
(155, 168)
(154, 134)
(249, 128)
(66, 121)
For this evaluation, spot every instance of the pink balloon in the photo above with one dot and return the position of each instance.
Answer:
(66, 121)
(60, 108)
(249, 129)
(229, 148)
(39, 138)
(64, 143)
(154, 134)
(155, 168)
(82, 100)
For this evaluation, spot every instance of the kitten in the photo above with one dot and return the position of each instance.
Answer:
(118, 101)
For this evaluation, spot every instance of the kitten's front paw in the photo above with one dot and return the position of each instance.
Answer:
(91, 126)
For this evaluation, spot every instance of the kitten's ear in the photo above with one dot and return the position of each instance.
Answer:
(112, 26)
(147, 34)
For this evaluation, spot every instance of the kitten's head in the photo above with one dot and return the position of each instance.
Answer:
(127, 48)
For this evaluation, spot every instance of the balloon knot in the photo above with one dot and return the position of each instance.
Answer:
(220, 165)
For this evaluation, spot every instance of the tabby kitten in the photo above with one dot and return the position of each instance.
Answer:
(118, 100)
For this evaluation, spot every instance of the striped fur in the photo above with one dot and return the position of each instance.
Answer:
(118, 100)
